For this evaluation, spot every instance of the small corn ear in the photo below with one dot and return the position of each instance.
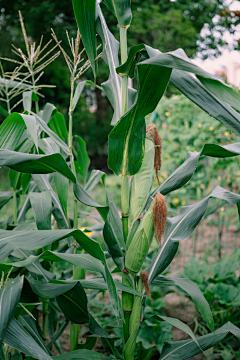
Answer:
(159, 215)
(140, 244)
(136, 310)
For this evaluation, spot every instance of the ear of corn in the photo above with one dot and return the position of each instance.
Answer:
(141, 182)
(140, 244)
(131, 344)
(132, 231)
(136, 310)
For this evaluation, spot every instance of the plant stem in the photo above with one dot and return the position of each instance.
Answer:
(70, 112)
(125, 205)
(34, 89)
(77, 272)
(127, 299)
(8, 103)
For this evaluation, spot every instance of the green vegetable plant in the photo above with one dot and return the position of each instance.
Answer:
(221, 288)
(37, 302)
(178, 114)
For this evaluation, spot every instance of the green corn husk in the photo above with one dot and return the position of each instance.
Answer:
(127, 299)
(136, 310)
(132, 231)
(141, 182)
(140, 244)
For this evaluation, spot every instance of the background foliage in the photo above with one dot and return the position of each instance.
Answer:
(166, 25)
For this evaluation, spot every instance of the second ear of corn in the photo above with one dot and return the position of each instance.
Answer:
(139, 246)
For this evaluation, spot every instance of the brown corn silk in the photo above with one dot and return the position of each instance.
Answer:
(159, 215)
(153, 135)
(144, 278)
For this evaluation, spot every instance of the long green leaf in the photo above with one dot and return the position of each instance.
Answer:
(30, 325)
(35, 164)
(82, 354)
(94, 178)
(181, 350)
(42, 209)
(86, 199)
(5, 196)
(9, 297)
(112, 86)
(79, 89)
(58, 125)
(35, 267)
(44, 185)
(31, 125)
(222, 91)
(11, 131)
(31, 240)
(17, 337)
(121, 9)
(180, 325)
(83, 261)
(44, 127)
(214, 103)
(180, 227)
(48, 146)
(127, 139)
(185, 171)
(193, 291)
(84, 11)
(112, 232)
(73, 304)
(48, 112)
(82, 158)
(62, 185)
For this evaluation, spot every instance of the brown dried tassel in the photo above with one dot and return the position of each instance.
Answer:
(156, 138)
(159, 215)
(144, 278)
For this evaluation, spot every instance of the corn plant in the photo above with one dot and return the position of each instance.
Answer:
(36, 302)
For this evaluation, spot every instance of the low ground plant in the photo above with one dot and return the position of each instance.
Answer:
(37, 301)
(220, 285)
